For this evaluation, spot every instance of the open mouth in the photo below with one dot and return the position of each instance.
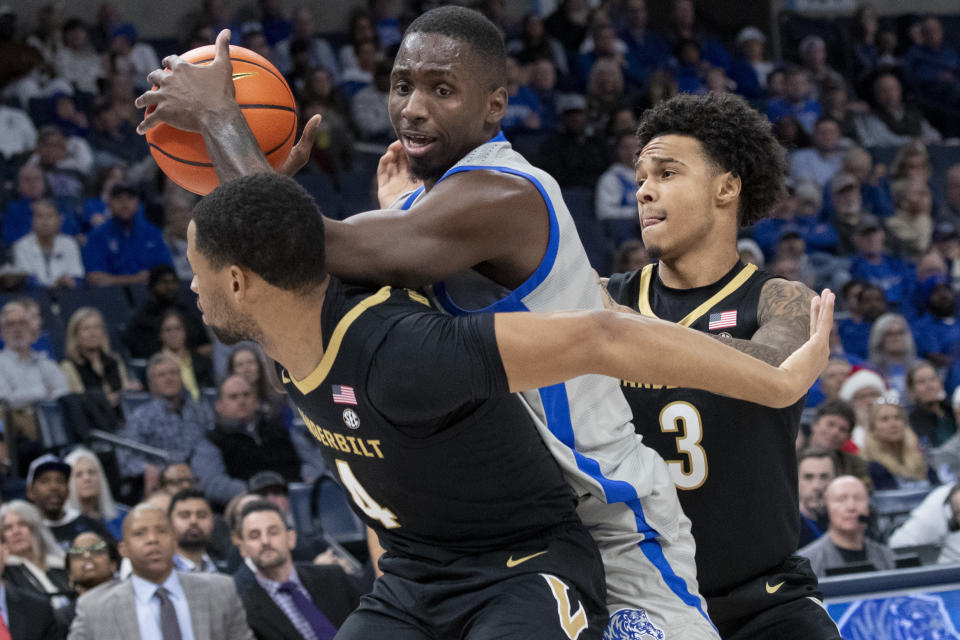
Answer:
(417, 145)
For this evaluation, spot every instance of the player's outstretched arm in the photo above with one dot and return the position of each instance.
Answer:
(543, 349)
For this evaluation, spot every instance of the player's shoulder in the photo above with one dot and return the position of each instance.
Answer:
(623, 287)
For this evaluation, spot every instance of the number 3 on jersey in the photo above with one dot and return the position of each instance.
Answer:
(683, 418)
(363, 500)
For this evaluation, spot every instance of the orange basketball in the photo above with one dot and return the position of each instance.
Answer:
(267, 104)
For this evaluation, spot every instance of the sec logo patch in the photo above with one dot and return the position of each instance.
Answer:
(351, 419)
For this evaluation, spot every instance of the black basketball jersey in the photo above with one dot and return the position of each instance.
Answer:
(734, 462)
(413, 412)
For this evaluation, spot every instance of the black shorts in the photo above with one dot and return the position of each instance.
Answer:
(544, 590)
(783, 604)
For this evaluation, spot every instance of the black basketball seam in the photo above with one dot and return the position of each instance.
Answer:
(281, 107)
(279, 146)
(193, 163)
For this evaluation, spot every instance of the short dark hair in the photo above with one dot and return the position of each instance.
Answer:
(837, 408)
(868, 286)
(818, 452)
(735, 138)
(267, 223)
(473, 28)
(255, 507)
(183, 495)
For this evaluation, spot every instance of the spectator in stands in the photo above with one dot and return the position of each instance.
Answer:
(50, 258)
(892, 350)
(831, 431)
(662, 87)
(816, 468)
(196, 369)
(845, 542)
(937, 332)
(568, 23)
(533, 43)
(751, 69)
(18, 135)
(26, 376)
(65, 160)
(171, 421)
(630, 256)
(523, 106)
(360, 29)
(142, 338)
(874, 265)
(790, 134)
(836, 104)
(935, 521)
(891, 122)
(912, 162)
(18, 215)
(191, 599)
(689, 67)
(246, 360)
(893, 451)
(90, 364)
(368, 106)
(76, 61)
(287, 600)
(114, 141)
(271, 486)
(931, 415)
(543, 82)
(90, 492)
(96, 208)
(874, 186)
(48, 487)
(684, 26)
(602, 43)
(950, 211)
(827, 387)
(862, 390)
(177, 206)
(574, 155)
(615, 195)
(797, 101)
(122, 249)
(813, 57)
(862, 45)
(253, 38)
(131, 58)
(933, 65)
(242, 443)
(824, 159)
(646, 50)
(192, 520)
(35, 562)
(846, 209)
(175, 477)
(320, 52)
(91, 561)
(911, 226)
(319, 87)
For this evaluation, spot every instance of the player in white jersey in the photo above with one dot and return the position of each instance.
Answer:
(492, 233)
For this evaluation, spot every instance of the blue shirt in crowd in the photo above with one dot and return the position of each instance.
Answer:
(893, 275)
(118, 251)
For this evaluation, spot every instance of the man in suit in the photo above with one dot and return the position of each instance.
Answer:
(23, 616)
(157, 602)
(287, 602)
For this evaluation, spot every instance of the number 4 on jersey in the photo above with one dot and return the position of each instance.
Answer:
(363, 500)
(683, 418)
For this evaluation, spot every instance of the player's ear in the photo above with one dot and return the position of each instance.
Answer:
(497, 105)
(728, 188)
(239, 282)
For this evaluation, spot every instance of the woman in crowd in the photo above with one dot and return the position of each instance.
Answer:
(931, 416)
(893, 451)
(196, 370)
(91, 561)
(892, 351)
(245, 360)
(535, 43)
(35, 562)
(90, 364)
(90, 493)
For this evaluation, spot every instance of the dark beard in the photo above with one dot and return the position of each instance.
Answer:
(654, 253)
(229, 336)
(191, 543)
(426, 173)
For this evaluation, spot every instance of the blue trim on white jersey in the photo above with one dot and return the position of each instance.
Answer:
(413, 196)
(514, 301)
(654, 552)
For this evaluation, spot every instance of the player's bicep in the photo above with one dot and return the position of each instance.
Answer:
(431, 365)
(783, 313)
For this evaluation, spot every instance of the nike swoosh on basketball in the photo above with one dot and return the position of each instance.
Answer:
(247, 74)
(512, 563)
(774, 588)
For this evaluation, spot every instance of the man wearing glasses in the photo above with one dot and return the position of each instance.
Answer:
(91, 561)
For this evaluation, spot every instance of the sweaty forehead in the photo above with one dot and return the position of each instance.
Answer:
(432, 52)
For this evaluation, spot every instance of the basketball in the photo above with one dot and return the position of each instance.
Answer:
(267, 104)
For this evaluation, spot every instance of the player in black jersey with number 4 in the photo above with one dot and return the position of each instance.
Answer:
(708, 165)
(414, 412)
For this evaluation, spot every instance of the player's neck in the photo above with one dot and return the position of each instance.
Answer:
(698, 268)
(292, 333)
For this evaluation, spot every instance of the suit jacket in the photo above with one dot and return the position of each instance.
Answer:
(329, 588)
(110, 610)
(31, 618)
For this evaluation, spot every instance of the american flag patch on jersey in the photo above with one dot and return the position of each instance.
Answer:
(342, 394)
(722, 320)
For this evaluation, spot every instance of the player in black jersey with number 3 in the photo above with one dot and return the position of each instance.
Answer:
(414, 413)
(708, 165)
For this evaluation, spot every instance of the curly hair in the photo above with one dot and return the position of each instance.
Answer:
(735, 138)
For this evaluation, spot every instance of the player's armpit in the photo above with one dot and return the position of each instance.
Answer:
(538, 350)
(783, 312)
(469, 219)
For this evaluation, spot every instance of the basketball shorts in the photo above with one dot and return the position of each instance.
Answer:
(546, 589)
(783, 604)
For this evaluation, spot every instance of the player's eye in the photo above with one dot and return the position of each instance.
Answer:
(401, 87)
(443, 92)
